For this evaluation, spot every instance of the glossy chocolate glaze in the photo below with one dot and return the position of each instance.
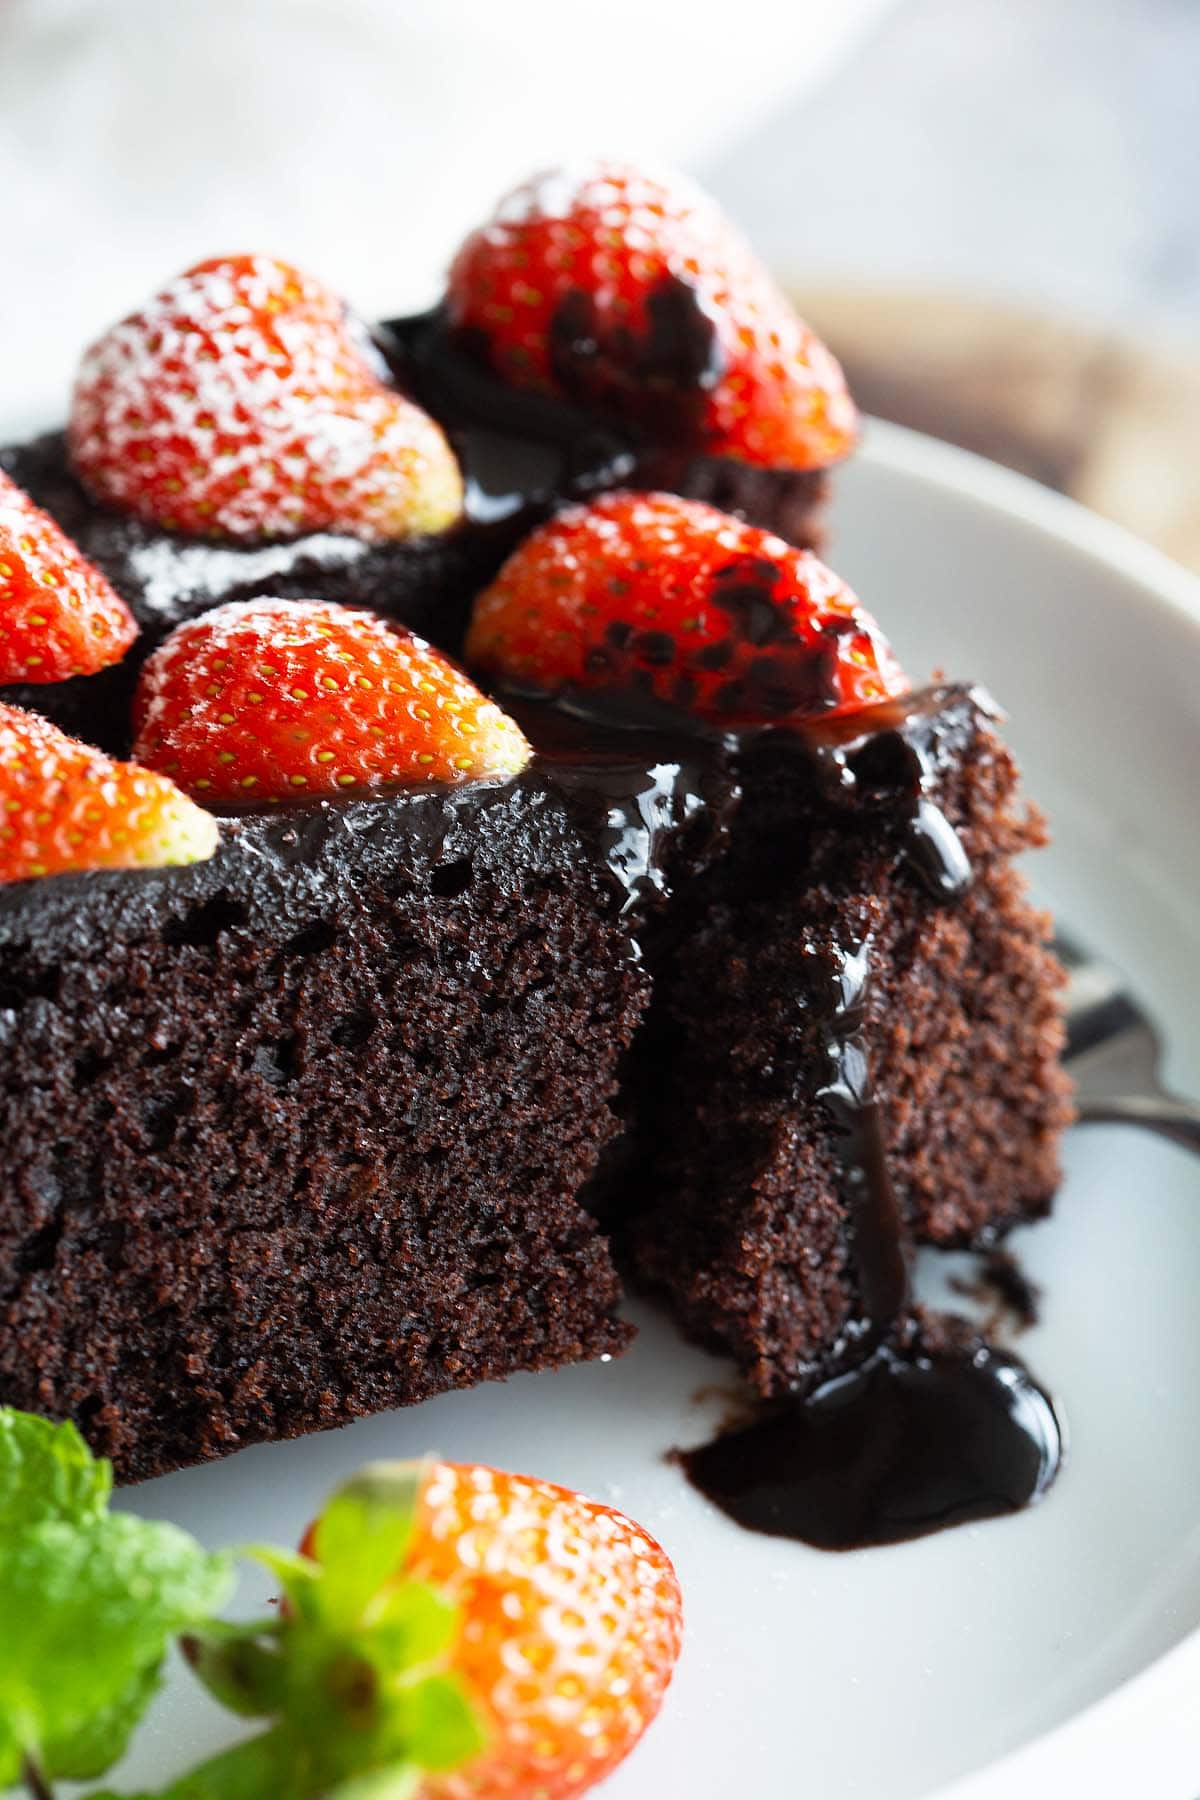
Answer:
(525, 453)
(894, 1442)
(641, 813)
(838, 995)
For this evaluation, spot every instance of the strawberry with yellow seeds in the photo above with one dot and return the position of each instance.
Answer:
(669, 599)
(58, 615)
(244, 402)
(264, 700)
(569, 1618)
(630, 291)
(66, 807)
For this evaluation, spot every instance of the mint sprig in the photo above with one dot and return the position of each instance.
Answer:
(89, 1600)
(351, 1678)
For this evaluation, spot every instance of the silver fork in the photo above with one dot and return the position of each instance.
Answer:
(1114, 1052)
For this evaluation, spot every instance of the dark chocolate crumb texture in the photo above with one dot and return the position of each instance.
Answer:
(737, 971)
(299, 1132)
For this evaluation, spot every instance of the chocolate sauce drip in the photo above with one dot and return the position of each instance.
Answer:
(524, 453)
(658, 376)
(1001, 1284)
(899, 1447)
(895, 1442)
(875, 1222)
(894, 751)
(650, 820)
(887, 757)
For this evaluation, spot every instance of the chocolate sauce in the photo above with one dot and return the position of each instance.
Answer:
(895, 750)
(652, 810)
(875, 1222)
(524, 453)
(895, 1442)
(901, 1446)
(1001, 1284)
(659, 376)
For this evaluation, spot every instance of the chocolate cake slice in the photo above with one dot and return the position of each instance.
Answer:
(856, 1038)
(299, 1133)
(738, 965)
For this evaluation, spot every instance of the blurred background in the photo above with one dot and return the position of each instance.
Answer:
(989, 207)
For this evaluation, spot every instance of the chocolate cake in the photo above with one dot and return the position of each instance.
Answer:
(855, 1039)
(347, 1115)
(299, 1132)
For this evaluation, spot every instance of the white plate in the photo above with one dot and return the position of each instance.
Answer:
(890, 1673)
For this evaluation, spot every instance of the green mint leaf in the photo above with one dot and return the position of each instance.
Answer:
(47, 1472)
(88, 1601)
(352, 1677)
(363, 1533)
(91, 1743)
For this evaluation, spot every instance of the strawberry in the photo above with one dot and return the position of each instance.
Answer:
(263, 700)
(632, 292)
(673, 600)
(66, 806)
(570, 1623)
(58, 615)
(243, 402)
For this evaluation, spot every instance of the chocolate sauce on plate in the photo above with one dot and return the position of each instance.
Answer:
(1001, 1284)
(901, 1446)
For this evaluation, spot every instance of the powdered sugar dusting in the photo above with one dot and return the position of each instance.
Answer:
(163, 566)
(239, 404)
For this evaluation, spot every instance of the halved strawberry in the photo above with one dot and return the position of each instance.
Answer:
(650, 594)
(570, 1622)
(632, 291)
(263, 700)
(65, 806)
(244, 402)
(58, 615)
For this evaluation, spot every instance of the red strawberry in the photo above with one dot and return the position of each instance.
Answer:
(571, 1625)
(669, 598)
(263, 700)
(66, 806)
(243, 403)
(58, 615)
(634, 293)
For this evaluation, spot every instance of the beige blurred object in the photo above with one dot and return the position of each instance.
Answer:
(1106, 420)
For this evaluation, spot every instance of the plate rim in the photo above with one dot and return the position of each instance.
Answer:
(995, 488)
(1149, 1724)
